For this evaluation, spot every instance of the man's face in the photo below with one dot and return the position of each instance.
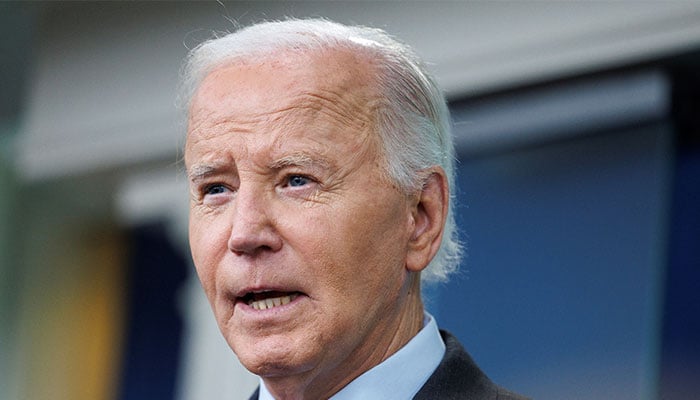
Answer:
(298, 237)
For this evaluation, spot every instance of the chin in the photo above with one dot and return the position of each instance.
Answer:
(272, 367)
(271, 357)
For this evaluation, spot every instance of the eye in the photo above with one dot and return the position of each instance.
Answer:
(214, 189)
(297, 180)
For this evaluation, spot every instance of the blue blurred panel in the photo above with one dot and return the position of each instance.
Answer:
(680, 358)
(154, 331)
(559, 292)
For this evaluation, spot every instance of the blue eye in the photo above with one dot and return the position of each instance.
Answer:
(298, 180)
(214, 190)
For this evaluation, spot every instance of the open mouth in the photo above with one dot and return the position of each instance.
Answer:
(269, 299)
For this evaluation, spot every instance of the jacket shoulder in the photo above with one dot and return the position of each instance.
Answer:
(457, 377)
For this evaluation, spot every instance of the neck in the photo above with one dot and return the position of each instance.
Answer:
(408, 321)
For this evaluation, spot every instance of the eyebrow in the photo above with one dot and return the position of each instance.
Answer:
(202, 171)
(299, 160)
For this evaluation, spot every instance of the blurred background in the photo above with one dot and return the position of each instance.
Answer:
(577, 128)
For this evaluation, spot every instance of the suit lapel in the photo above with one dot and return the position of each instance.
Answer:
(457, 376)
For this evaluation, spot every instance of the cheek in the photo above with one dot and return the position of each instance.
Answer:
(376, 232)
(357, 250)
(206, 244)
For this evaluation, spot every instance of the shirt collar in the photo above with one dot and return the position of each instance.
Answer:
(398, 377)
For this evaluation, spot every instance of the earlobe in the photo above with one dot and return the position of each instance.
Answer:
(429, 215)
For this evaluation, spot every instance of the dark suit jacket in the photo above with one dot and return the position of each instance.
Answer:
(457, 377)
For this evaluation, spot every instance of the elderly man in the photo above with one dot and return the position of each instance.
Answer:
(320, 160)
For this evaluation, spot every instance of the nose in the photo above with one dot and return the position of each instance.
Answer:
(252, 227)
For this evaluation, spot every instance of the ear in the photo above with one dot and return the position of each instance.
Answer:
(429, 214)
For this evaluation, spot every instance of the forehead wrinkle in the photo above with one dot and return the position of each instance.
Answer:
(343, 107)
(197, 117)
(347, 106)
(209, 126)
(348, 110)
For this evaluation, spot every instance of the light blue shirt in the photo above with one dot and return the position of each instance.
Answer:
(398, 377)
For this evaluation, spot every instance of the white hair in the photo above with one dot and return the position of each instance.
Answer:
(414, 125)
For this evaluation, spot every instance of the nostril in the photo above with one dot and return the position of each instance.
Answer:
(253, 250)
(253, 239)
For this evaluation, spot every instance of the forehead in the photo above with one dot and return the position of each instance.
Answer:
(323, 95)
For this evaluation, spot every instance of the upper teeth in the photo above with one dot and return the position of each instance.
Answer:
(272, 302)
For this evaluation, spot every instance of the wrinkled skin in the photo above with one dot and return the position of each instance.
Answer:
(289, 197)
